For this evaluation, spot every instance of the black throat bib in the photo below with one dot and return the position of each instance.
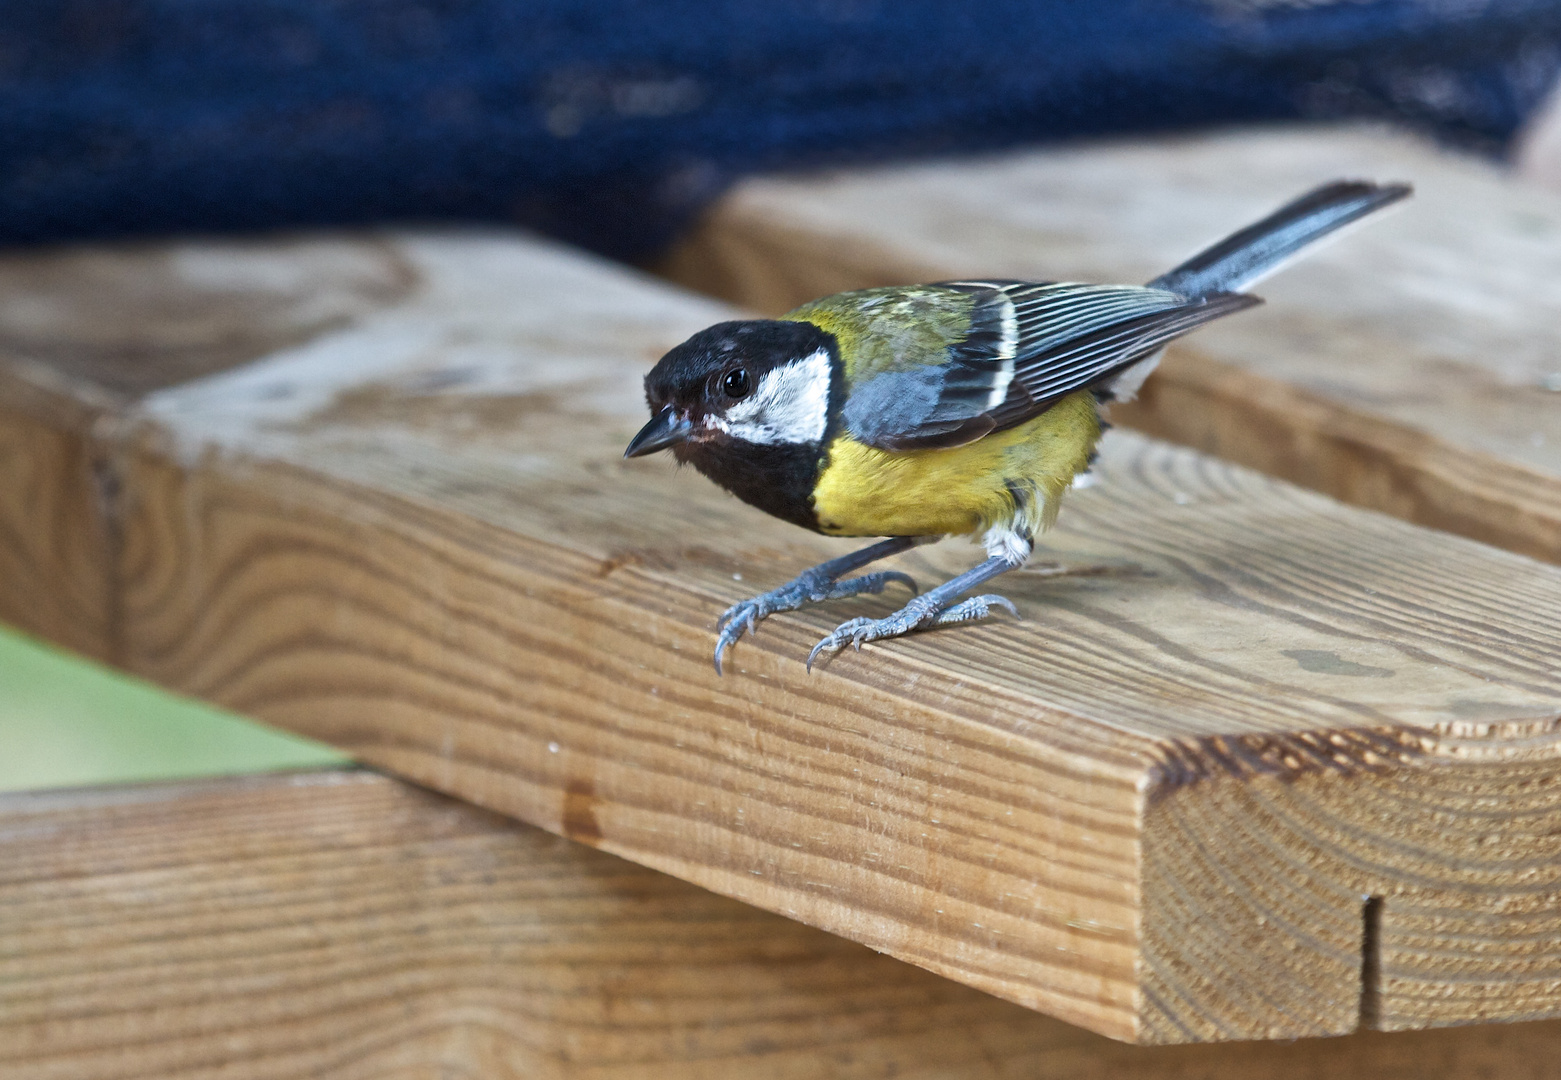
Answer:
(777, 478)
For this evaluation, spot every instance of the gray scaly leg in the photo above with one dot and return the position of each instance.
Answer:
(815, 586)
(935, 608)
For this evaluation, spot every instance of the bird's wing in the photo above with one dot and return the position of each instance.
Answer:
(1028, 345)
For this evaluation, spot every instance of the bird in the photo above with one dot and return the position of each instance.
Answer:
(969, 407)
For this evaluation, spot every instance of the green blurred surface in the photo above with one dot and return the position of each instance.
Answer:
(66, 722)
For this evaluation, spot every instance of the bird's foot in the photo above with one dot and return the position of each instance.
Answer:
(805, 588)
(917, 615)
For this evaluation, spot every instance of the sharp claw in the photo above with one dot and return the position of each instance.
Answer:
(722, 643)
(993, 600)
(904, 579)
(814, 654)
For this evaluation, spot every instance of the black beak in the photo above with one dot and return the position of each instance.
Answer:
(665, 429)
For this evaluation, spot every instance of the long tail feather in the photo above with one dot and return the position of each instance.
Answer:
(1260, 249)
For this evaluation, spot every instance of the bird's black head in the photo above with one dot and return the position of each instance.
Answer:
(764, 381)
(748, 404)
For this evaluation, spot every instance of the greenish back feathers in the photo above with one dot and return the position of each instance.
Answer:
(891, 329)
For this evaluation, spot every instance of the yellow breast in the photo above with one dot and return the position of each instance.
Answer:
(863, 491)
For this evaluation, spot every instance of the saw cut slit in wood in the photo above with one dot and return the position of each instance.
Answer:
(1254, 764)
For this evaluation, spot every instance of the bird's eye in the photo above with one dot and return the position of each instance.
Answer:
(735, 383)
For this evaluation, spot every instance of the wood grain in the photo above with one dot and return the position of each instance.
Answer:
(84, 331)
(1412, 368)
(127, 319)
(1158, 807)
(342, 925)
(56, 559)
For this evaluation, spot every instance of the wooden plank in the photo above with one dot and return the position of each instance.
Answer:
(342, 925)
(1413, 368)
(84, 331)
(55, 556)
(1156, 808)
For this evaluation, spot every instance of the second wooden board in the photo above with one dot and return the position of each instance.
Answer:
(344, 926)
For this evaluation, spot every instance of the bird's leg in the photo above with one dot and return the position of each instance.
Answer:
(936, 607)
(815, 585)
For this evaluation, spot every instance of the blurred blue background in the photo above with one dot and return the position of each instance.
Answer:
(611, 122)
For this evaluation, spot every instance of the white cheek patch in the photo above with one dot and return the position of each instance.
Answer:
(790, 404)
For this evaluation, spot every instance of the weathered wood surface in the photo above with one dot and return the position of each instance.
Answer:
(85, 331)
(1156, 808)
(342, 925)
(1414, 367)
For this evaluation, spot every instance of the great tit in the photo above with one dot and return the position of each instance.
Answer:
(962, 407)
